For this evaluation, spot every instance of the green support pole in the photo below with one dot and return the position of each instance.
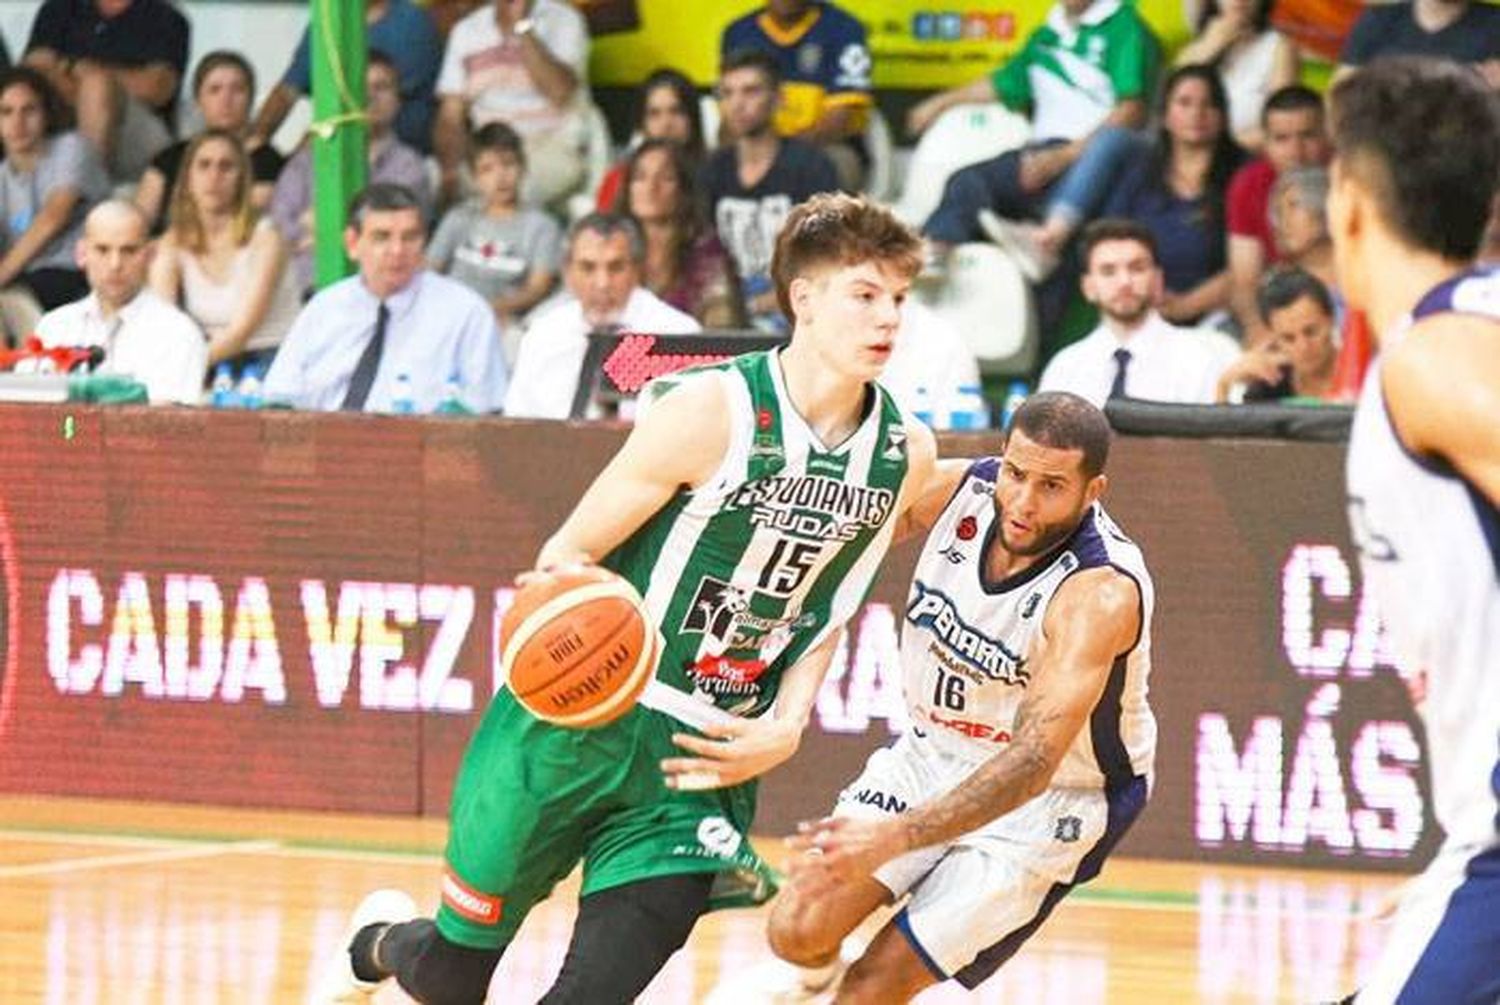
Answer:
(339, 130)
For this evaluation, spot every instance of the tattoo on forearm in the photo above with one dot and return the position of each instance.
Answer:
(1002, 783)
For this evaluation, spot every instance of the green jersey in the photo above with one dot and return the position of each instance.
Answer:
(749, 571)
(1069, 75)
(743, 575)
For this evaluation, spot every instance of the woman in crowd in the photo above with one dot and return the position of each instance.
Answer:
(224, 91)
(668, 111)
(1176, 188)
(685, 263)
(48, 181)
(1235, 37)
(222, 261)
(1300, 358)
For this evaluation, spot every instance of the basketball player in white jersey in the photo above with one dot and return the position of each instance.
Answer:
(1418, 156)
(1024, 653)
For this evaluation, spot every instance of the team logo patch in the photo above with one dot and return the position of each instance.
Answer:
(467, 902)
(809, 58)
(967, 528)
(895, 443)
(1068, 829)
(719, 836)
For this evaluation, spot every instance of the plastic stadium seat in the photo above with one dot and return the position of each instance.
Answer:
(598, 155)
(987, 299)
(878, 180)
(961, 136)
(708, 111)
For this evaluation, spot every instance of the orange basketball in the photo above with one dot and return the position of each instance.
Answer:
(578, 647)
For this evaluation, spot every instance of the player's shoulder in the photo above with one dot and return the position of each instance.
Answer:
(697, 387)
(1457, 345)
(743, 30)
(836, 22)
(1103, 598)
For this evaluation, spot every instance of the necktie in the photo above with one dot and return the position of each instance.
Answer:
(1122, 361)
(369, 362)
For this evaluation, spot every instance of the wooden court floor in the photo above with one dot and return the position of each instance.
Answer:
(132, 903)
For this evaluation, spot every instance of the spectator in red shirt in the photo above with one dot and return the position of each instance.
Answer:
(1294, 137)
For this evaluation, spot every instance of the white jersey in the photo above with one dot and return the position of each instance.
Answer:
(1429, 546)
(967, 644)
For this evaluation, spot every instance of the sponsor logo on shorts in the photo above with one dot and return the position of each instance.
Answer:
(719, 836)
(878, 799)
(469, 903)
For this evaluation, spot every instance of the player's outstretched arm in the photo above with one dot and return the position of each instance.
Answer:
(679, 441)
(742, 749)
(1442, 386)
(929, 499)
(1093, 618)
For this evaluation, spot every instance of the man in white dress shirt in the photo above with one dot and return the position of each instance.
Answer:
(394, 337)
(1134, 353)
(602, 269)
(141, 334)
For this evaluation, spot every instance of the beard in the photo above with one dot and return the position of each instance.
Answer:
(1127, 310)
(1043, 540)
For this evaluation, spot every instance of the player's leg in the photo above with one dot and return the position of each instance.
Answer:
(891, 970)
(625, 935)
(807, 931)
(524, 801)
(1445, 943)
(427, 965)
(991, 892)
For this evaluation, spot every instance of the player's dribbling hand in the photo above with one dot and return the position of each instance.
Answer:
(731, 753)
(834, 850)
(552, 561)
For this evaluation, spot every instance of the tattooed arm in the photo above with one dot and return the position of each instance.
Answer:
(1093, 618)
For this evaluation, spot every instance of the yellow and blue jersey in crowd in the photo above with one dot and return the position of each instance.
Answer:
(824, 61)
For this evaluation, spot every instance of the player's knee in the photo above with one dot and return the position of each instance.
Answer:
(435, 971)
(798, 931)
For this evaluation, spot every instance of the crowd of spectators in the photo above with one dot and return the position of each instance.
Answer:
(1182, 201)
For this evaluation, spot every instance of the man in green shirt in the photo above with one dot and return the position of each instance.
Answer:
(1085, 78)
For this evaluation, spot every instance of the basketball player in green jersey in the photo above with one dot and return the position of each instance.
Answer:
(750, 506)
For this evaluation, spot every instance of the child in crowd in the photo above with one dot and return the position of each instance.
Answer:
(505, 252)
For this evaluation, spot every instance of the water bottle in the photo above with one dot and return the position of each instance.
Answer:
(968, 409)
(402, 401)
(249, 389)
(1015, 394)
(921, 403)
(453, 398)
(221, 391)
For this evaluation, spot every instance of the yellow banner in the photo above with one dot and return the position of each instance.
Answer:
(914, 43)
